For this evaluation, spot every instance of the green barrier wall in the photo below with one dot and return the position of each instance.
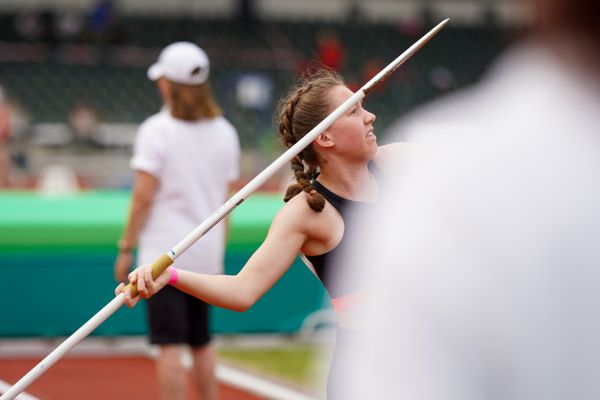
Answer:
(56, 257)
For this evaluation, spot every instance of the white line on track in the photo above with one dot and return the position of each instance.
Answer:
(4, 386)
(256, 385)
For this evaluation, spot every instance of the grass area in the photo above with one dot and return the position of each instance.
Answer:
(302, 365)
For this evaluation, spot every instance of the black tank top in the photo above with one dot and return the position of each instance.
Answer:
(322, 263)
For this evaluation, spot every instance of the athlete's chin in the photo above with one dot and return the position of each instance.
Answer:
(372, 150)
(372, 141)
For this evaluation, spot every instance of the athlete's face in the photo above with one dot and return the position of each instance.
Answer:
(353, 133)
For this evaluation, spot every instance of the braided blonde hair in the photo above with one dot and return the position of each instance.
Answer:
(304, 108)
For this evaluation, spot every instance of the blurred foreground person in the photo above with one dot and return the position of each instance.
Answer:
(484, 256)
(185, 158)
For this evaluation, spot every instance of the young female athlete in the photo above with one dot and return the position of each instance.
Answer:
(335, 171)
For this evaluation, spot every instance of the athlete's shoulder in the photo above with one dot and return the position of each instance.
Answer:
(298, 205)
(300, 216)
(223, 123)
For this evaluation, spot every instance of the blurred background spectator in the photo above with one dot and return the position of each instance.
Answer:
(247, 13)
(69, 25)
(5, 133)
(83, 120)
(330, 50)
(37, 25)
(104, 24)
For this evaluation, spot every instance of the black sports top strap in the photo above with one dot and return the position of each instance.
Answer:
(322, 262)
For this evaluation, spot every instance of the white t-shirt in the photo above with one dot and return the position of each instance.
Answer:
(194, 162)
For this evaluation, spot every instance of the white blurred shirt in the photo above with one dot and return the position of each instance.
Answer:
(194, 163)
(484, 258)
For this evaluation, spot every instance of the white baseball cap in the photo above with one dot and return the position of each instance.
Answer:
(181, 62)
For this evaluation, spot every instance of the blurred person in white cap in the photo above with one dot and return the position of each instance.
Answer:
(483, 259)
(185, 159)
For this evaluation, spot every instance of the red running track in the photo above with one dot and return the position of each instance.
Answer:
(77, 378)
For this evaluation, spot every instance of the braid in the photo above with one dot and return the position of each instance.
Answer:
(316, 201)
(301, 178)
(286, 126)
(304, 108)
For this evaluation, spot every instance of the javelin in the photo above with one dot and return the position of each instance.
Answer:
(168, 258)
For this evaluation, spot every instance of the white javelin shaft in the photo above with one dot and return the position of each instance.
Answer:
(222, 212)
(64, 347)
(286, 157)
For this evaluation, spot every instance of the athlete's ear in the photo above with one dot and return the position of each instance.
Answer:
(325, 140)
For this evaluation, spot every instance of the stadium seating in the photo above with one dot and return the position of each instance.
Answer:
(112, 78)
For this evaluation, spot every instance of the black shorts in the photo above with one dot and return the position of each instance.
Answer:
(176, 317)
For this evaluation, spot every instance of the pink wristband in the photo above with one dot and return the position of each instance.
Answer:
(174, 275)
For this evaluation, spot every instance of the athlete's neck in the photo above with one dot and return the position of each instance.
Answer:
(353, 182)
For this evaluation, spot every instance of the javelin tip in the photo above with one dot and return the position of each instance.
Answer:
(443, 23)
